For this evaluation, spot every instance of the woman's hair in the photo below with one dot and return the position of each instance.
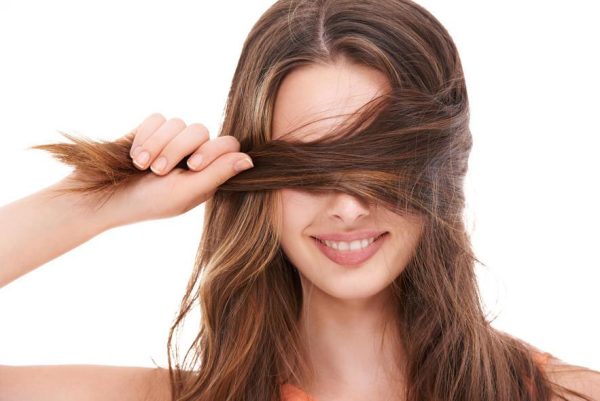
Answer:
(407, 150)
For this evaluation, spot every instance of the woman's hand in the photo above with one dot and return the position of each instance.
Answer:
(168, 191)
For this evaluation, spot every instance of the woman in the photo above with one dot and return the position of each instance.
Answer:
(338, 267)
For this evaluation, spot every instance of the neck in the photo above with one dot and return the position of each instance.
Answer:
(353, 346)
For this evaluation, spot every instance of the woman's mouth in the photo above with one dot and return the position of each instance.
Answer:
(350, 253)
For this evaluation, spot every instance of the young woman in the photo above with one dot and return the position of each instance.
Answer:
(338, 266)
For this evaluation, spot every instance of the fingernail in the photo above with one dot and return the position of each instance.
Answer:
(159, 164)
(135, 151)
(195, 161)
(242, 164)
(142, 159)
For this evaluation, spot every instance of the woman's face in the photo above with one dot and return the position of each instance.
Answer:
(309, 93)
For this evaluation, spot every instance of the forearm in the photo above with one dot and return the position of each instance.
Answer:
(39, 227)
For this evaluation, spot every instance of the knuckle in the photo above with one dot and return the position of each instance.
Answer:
(231, 141)
(198, 132)
(199, 127)
(158, 116)
(153, 119)
(177, 122)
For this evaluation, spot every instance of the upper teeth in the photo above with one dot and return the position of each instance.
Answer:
(352, 246)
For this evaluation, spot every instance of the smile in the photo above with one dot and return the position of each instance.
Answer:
(350, 253)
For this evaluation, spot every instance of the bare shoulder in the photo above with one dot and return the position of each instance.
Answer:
(83, 383)
(578, 378)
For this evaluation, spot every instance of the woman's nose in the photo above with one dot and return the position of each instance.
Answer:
(348, 208)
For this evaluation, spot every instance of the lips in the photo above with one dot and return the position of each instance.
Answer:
(350, 236)
(351, 258)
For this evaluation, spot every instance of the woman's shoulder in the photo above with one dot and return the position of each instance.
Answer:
(574, 377)
(578, 378)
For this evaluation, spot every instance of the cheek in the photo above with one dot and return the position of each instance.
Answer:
(299, 210)
(408, 234)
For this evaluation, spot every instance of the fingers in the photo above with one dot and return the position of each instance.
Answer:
(145, 130)
(221, 169)
(154, 145)
(211, 150)
(156, 142)
(184, 143)
(162, 144)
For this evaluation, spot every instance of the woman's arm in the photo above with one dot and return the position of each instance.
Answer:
(573, 377)
(39, 227)
(44, 225)
(83, 383)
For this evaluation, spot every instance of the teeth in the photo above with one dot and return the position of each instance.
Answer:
(349, 246)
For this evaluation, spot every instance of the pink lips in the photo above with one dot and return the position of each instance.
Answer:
(351, 258)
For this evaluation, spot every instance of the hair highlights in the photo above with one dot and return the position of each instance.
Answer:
(408, 150)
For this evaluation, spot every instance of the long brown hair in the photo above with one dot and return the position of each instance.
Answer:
(407, 150)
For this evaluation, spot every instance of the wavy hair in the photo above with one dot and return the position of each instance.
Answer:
(407, 150)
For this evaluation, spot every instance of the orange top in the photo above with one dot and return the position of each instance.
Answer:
(289, 392)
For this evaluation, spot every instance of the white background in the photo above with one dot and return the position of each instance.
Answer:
(99, 68)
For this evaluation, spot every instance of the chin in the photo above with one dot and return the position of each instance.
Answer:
(349, 289)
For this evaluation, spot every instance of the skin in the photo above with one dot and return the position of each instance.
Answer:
(65, 222)
(345, 307)
(71, 219)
